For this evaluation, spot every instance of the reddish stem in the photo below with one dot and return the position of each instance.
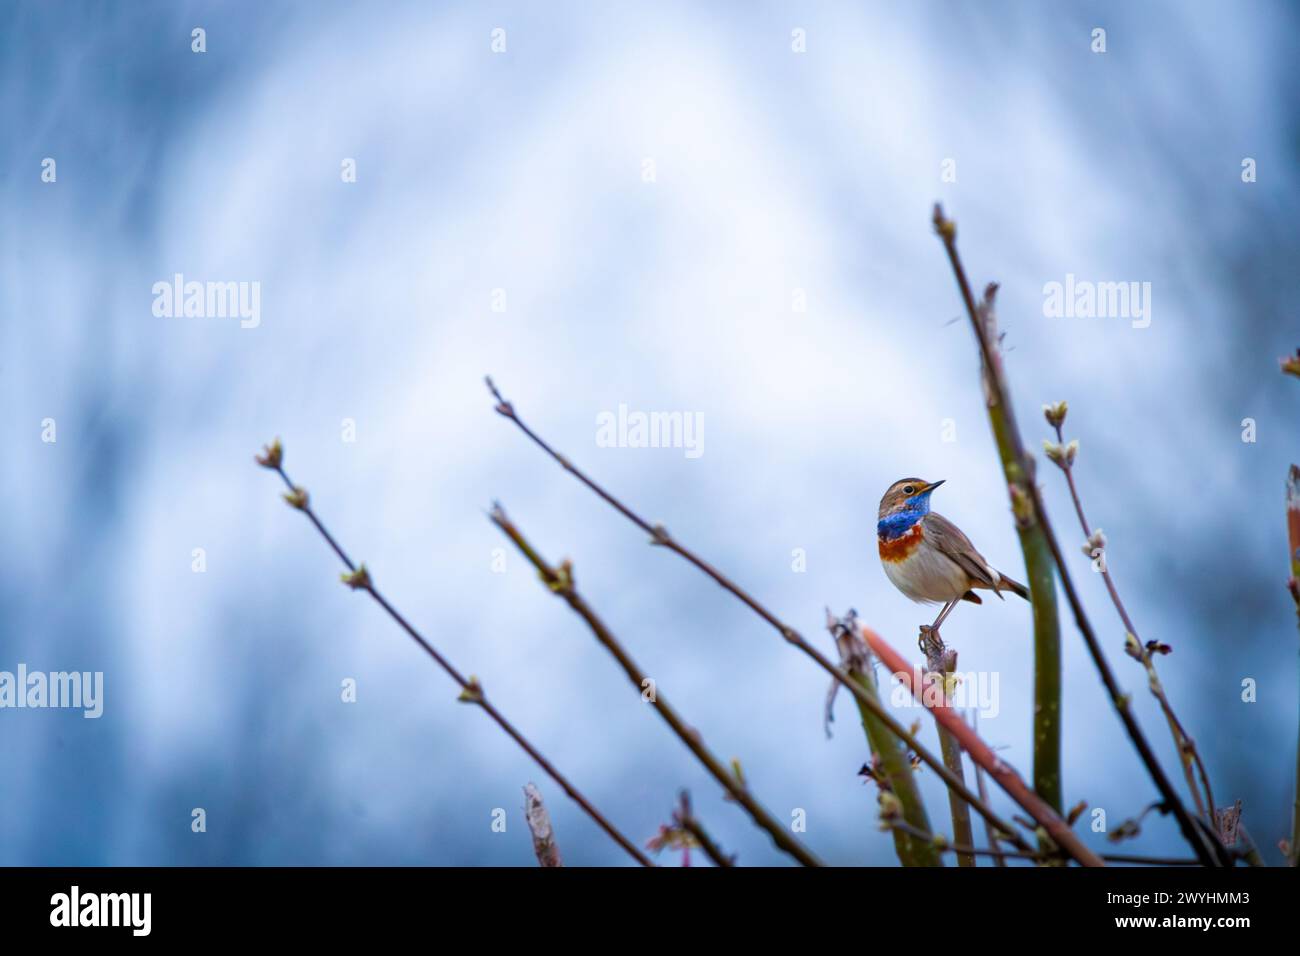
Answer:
(1005, 776)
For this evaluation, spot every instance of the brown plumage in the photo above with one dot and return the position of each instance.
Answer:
(949, 539)
(927, 557)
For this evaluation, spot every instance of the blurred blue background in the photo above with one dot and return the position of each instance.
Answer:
(776, 173)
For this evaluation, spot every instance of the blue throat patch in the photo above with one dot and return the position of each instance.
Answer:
(892, 527)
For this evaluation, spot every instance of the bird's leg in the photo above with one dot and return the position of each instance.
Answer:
(947, 609)
(930, 632)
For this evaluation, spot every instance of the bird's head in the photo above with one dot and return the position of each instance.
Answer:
(908, 496)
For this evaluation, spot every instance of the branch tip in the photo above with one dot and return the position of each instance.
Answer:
(1055, 414)
(539, 825)
(944, 226)
(502, 406)
(272, 455)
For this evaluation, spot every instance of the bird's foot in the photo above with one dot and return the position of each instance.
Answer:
(929, 642)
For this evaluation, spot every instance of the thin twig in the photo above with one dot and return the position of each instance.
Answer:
(659, 536)
(1048, 821)
(1188, 754)
(471, 690)
(685, 818)
(941, 662)
(989, 832)
(560, 581)
(1149, 860)
(961, 826)
(1293, 585)
(1040, 575)
(1209, 850)
(943, 843)
(539, 825)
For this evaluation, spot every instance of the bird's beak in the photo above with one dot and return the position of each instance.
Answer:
(934, 485)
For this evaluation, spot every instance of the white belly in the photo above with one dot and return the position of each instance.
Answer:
(927, 576)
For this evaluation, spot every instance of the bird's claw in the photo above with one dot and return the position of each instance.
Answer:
(923, 637)
(929, 639)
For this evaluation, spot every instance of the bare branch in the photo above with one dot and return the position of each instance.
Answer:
(685, 818)
(659, 536)
(941, 664)
(1047, 819)
(998, 858)
(539, 825)
(1063, 455)
(1027, 499)
(560, 581)
(943, 843)
(471, 690)
(1293, 541)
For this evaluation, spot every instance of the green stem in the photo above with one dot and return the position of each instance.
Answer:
(1040, 571)
(1027, 505)
(1047, 668)
(897, 770)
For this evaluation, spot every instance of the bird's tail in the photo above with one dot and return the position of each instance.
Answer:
(1012, 585)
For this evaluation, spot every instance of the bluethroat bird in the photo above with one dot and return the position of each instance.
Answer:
(927, 557)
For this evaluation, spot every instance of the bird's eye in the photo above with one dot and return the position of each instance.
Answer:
(909, 490)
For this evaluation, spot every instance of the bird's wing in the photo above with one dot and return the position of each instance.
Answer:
(948, 538)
